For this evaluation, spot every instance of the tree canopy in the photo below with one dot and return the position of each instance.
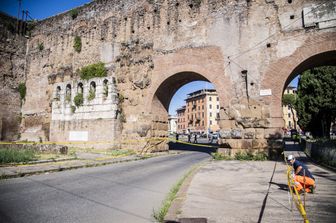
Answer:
(290, 101)
(316, 100)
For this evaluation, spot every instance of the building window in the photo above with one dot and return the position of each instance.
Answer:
(210, 106)
(202, 106)
(289, 124)
(210, 114)
(217, 98)
(199, 107)
(289, 115)
(202, 114)
(210, 99)
(68, 93)
(217, 106)
(203, 123)
(210, 122)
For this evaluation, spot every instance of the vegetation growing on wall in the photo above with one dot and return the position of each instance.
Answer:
(197, 3)
(78, 44)
(79, 100)
(73, 109)
(92, 94)
(92, 71)
(74, 13)
(40, 46)
(22, 90)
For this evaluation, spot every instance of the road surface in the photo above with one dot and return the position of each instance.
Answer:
(125, 192)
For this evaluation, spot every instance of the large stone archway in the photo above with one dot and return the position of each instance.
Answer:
(178, 69)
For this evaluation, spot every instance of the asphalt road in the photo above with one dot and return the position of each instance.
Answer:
(125, 192)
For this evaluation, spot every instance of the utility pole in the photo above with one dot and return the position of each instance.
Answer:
(25, 23)
(18, 18)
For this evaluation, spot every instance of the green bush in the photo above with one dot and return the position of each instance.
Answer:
(16, 156)
(78, 44)
(74, 13)
(92, 71)
(73, 109)
(79, 100)
(91, 95)
(244, 156)
(22, 90)
(220, 156)
(259, 156)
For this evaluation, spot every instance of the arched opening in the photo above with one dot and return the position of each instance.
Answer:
(196, 113)
(300, 113)
(80, 88)
(105, 89)
(68, 93)
(58, 93)
(92, 91)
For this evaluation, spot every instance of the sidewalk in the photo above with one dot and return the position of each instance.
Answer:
(254, 191)
(83, 160)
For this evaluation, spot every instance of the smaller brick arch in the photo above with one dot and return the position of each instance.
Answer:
(317, 52)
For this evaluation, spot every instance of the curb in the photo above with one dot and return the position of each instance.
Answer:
(78, 166)
(175, 208)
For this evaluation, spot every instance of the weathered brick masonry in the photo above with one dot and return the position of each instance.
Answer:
(152, 48)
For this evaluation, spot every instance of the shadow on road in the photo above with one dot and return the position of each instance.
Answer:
(204, 148)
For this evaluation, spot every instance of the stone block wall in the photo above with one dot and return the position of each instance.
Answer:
(12, 73)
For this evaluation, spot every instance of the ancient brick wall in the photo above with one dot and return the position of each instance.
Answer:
(12, 67)
(154, 47)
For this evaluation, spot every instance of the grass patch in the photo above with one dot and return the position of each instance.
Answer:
(107, 152)
(17, 156)
(161, 213)
(220, 156)
(259, 156)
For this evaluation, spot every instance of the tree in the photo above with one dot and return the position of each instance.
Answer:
(316, 101)
(290, 101)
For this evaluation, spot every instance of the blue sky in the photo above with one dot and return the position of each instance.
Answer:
(41, 9)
